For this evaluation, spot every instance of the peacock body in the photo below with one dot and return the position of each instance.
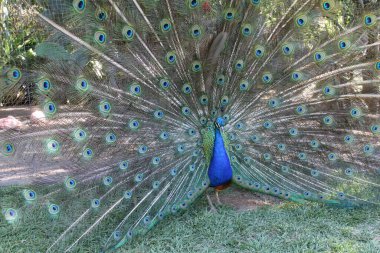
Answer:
(147, 103)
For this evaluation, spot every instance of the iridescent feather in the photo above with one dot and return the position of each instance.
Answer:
(150, 102)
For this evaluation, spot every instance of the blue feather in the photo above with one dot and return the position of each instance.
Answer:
(219, 171)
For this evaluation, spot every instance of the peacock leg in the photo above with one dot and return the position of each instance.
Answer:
(217, 198)
(212, 207)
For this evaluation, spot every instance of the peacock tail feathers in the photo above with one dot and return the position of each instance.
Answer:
(131, 92)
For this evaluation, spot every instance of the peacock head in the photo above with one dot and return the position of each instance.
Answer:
(219, 122)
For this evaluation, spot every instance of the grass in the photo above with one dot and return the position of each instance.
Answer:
(285, 228)
(282, 227)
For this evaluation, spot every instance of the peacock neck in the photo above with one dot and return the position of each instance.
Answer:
(219, 171)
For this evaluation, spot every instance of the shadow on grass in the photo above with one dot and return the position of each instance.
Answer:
(270, 225)
(274, 227)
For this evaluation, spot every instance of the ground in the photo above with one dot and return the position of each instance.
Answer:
(251, 222)
(247, 222)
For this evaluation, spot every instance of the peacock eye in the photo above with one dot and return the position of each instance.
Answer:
(356, 113)
(134, 124)
(158, 114)
(156, 160)
(79, 5)
(342, 45)
(377, 65)
(301, 21)
(123, 165)
(204, 100)
(127, 194)
(13, 75)
(82, 85)
(164, 135)
(244, 85)
(70, 183)
(319, 56)
(8, 149)
(180, 148)
(53, 209)
(273, 103)
(259, 51)
(44, 85)
(164, 84)
(229, 14)
(224, 101)
(135, 89)
(348, 171)
(327, 5)
(191, 132)
(293, 131)
(165, 25)
(171, 57)
(128, 33)
(143, 149)
(196, 66)
(29, 195)
(185, 111)
(246, 30)
(196, 32)
(193, 4)
(107, 181)
(368, 20)
(267, 78)
(220, 80)
(104, 107)
(139, 177)
(110, 138)
(332, 156)
(287, 49)
(117, 235)
(100, 37)
(101, 15)
(368, 149)
(302, 156)
(239, 65)
(375, 129)
(95, 203)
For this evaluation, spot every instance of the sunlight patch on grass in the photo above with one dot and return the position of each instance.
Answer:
(286, 227)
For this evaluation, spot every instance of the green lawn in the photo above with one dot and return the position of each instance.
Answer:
(280, 227)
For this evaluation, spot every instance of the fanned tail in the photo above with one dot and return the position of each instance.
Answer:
(131, 91)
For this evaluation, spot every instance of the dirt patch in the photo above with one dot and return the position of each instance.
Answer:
(244, 200)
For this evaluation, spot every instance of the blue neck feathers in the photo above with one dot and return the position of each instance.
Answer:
(219, 171)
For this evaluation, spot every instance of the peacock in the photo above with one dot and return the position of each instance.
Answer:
(142, 106)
